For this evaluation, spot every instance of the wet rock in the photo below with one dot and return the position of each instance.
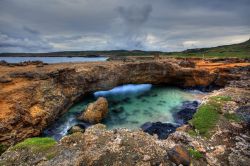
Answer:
(162, 130)
(76, 128)
(186, 113)
(95, 111)
(126, 100)
(179, 155)
(118, 110)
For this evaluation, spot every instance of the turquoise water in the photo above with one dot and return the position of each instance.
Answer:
(130, 106)
(53, 59)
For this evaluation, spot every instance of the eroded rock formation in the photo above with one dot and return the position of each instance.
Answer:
(95, 111)
(36, 96)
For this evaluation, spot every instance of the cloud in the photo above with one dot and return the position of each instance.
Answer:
(128, 31)
(135, 15)
(168, 25)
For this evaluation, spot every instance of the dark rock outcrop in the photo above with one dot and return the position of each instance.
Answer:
(186, 112)
(162, 130)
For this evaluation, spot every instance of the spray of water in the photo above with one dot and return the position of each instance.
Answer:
(129, 89)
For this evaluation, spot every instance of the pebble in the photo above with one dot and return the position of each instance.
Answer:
(146, 158)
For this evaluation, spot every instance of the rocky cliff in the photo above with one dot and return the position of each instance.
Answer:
(32, 96)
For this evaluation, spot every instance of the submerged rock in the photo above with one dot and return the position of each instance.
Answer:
(95, 111)
(118, 110)
(179, 155)
(186, 113)
(76, 128)
(162, 130)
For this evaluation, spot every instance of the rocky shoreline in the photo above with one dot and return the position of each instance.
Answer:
(34, 96)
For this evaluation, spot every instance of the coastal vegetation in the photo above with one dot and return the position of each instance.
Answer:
(207, 115)
(36, 144)
(194, 153)
(241, 50)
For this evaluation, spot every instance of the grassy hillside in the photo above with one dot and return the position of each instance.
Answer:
(241, 50)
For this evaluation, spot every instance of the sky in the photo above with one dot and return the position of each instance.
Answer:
(162, 25)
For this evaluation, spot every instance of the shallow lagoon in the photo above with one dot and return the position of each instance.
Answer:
(130, 106)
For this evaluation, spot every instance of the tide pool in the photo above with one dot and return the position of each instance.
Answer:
(130, 106)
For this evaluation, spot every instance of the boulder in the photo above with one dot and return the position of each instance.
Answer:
(76, 128)
(95, 111)
(162, 130)
(179, 155)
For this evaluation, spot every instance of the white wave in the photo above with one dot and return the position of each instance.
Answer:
(125, 89)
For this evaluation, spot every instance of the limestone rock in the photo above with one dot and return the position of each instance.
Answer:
(96, 146)
(95, 111)
(179, 155)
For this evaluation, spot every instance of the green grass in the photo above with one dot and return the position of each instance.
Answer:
(36, 144)
(205, 119)
(192, 133)
(195, 154)
(241, 50)
(232, 117)
(221, 98)
(208, 114)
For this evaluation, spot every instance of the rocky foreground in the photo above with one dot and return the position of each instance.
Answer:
(32, 96)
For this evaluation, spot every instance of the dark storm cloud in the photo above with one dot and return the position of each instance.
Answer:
(54, 25)
(131, 33)
(135, 15)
